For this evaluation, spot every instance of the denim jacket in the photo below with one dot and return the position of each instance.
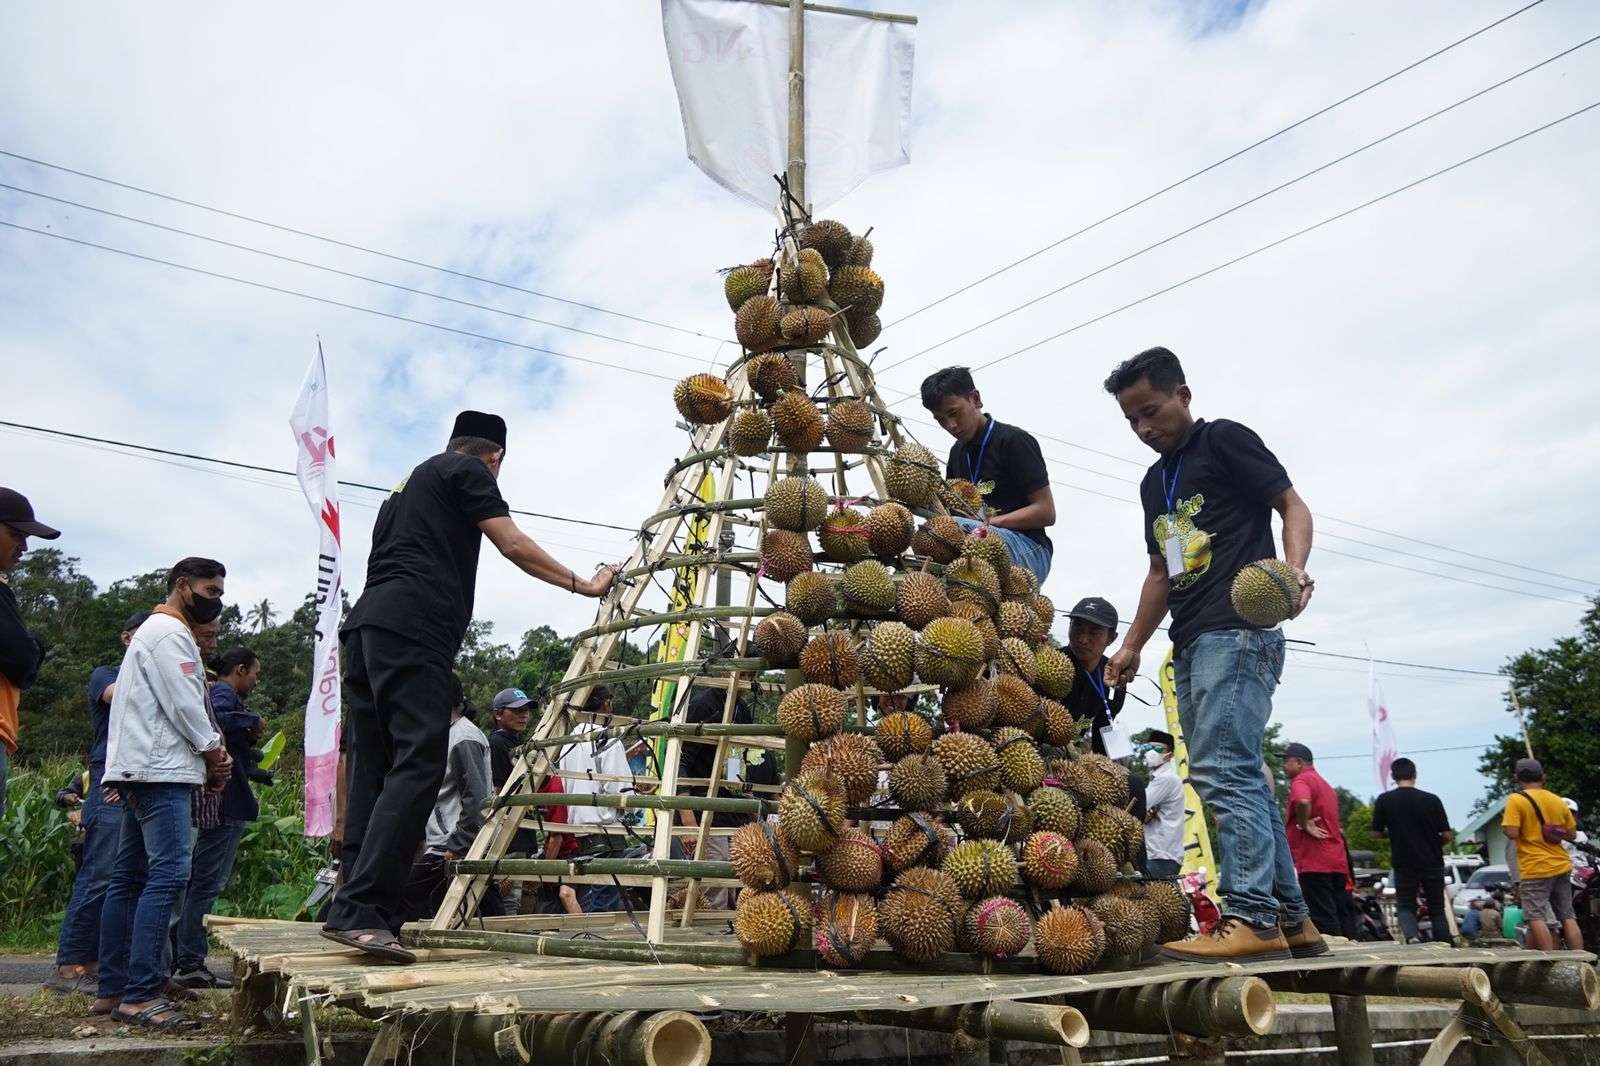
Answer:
(159, 725)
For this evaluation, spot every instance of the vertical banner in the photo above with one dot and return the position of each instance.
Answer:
(1196, 838)
(314, 465)
(1385, 750)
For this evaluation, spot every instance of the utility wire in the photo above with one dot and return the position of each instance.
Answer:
(354, 247)
(1415, 751)
(1169, 238)
(1210, 167)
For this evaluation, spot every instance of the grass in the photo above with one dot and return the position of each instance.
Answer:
(36, 937)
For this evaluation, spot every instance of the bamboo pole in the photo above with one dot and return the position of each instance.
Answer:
(677, 562)
(649, 671)
(1550, 984)
(797, 103)
(712, 507)
(1352, 1029)
(760, 808)
(647, 621)
(686, 730)
(625, 1038)
(1000, 1019)
(1427, 982)
(564, 868)
(1221, 1006)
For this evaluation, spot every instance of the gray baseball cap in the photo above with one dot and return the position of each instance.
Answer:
(1529, 770)
(510, 699)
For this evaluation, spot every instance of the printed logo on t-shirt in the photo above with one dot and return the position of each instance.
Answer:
(1196, 542)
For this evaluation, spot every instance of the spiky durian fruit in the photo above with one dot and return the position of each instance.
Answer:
(772, 923)
(973, 580)
(949, 652)
(811, 811)
(852, 864)
(888, 659)
(981, 868)
(703, 398)
(784, 554)
(1018, 704)
(996, 815)
(918, 914)
(868, 588)
(1095, 779)
(1266, 593)
(920, 598)
(756, 323)
(1053, 672)
(1055, 810)
(912, 475)
(779, 637)
(1016, 659)
(830, 659)
(1109, 825)
(812, 596)
(811, 712)
(1043, 619)
(745, 282)
(798, 425)
(917, 782)
(846, 928)
(796, 503)
(1097, 870)
(864, 329)
(805, 325)
(762, 857)
(916, 840)
(1059, 728)
(939, 539)
(1069, 939)
(970, 764)
(1130, 927)
(860, 253)
(832, 239)
(889, 530)
(1048, 860)
(997, 927)
(843, 535)
(771, 375)
(1020, 584)
(984, 543)
(986, 628)
(1021, 765)
(1043, 606)
(971, 707)
(903, 733)
(858, 288)
(849, 426)
(853, 758)
(750, 432)
(803, 279)
(1016, 619)
(1173, 909)
(961, 497)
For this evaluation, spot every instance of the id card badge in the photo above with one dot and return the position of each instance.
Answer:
(1173, 550)
(735, 768)
(1116, 743)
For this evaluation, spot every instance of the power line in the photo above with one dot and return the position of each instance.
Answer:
(348, 274)
(1239, 206)
(1414, 751)
(355, 247)
(1210, 167)
(1453, 577)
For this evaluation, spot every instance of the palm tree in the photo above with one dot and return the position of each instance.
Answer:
(260, 616)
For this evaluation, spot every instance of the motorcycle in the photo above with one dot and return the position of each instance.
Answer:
(1205, 914)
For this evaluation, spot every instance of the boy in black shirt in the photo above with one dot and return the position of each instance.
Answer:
(1020, 503)
(1414, 822)
(1208, 504)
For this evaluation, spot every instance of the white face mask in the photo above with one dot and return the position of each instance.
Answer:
(1153, 758)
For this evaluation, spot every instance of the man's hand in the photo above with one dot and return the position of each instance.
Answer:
(71, 799)
(219, 764)
(601, 583)
(1315, 830)
(1307, 585)
(1122, 667)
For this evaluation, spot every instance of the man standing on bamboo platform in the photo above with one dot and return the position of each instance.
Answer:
(399, 642)
(1208, 503)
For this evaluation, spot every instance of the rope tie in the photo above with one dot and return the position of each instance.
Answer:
(785, 874)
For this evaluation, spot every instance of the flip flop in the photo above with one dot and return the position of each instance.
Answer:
(379, 943)
(105, 1006)
(175, 1020)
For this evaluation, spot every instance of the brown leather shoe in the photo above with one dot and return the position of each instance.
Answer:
(1304, 940)
(1230, 940)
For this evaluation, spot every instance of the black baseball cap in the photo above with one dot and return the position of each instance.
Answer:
(1297, 750)
(1096, 611)
(17, 512)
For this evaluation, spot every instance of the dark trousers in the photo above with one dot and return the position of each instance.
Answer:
(1323, 892)
(398, 697)
(1431, 883)
(210, 868)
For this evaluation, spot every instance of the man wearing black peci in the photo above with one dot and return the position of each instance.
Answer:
(399, 643)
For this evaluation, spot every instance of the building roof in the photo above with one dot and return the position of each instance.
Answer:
(1484, 817)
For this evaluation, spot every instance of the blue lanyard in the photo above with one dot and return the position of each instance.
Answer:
(1171, 490)
(974, 470)
(1099, 687)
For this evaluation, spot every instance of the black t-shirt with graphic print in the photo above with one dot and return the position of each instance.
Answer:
(1013, 461)
(1226, 482)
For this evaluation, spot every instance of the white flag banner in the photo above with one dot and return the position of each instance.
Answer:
(730, 62)
(313, 434)
(1384, 748)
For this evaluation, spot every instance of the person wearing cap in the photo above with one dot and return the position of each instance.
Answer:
(1316, 842)
(399, 643)
(1540, 823)
(1091, 627)
(1414, 823)
(1163, 807)
(20, 651)
(510, 710)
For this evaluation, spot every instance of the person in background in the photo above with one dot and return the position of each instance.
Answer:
(510, 710)
(598, 761)
(557, 896)
(1414, 823)
(20, 651)
(1540, 823)
(1491, 916)
(1019, 502)
(1315, 839)
(69, 797)
(1472, 922)
(1163, 807)
(1091, 628)
(160, 746)
(696, 761)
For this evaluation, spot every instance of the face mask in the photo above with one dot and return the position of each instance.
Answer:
(1153, 758)
(203, 609)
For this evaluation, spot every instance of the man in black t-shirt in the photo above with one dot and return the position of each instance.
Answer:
(399, 643)
(1092, 628)
(1208, 504)
(1019, 503)
(1417, 829)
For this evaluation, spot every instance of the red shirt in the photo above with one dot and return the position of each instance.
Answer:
(1313, 856)
(569, 843)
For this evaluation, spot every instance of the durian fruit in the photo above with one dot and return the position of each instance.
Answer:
(811, 712)
(1173, 909)
(811, 811)
(1266, 593)
(779, 637)
(1069, 939)
(949, 652)
(1043, 605)
(849, 426)
(751, 432)
(986, 627)
(853, 758)
(984, 543)
(972, 579)
(1021, 765)
(805, 325)
(867, 588)
(852, 864)
(784, 554)
(1110, 826)
(918, 914)
(970, 764)
(920, 598)
(963, 943)
(1016, 619)
(1053, 672)
(961, 496)
(744, 282)
(812, 596)
(994, 815)
(832, 239)
(1016, 658)
(903, 733)
(864, 329)
(771, 375)
(889, 530)
(762, 857)
(860, 253)
(772, 923)
(972, 707)
(803, 279)
(703, 398)
(1095, 779)
(912, 475)
(1059, 728)
(1048, 860)
(918, 783)
(830, 659)
(981, 868)
(939, 539)
(997, 927)
(1017, 705)
(798, 425)
(843, 535)
(1130, 927)
(1097, 870)
(756, 323)
(888, 658)
(1020, 584)
(846, 928)
(1055, 810)
(796, 503)
(916, 840)
(858, 288)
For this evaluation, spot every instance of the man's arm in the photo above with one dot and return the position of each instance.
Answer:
(1296, 539)
(1037, 513)
(20, 653)
(1124, 665)
(526, 554)
(182, 692)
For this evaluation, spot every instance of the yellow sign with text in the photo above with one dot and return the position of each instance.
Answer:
(1196, 838)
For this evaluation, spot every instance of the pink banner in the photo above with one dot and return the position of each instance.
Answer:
(1384, 748)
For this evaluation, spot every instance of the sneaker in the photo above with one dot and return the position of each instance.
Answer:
(1304, 940)
(200, 977)
(1229, 940)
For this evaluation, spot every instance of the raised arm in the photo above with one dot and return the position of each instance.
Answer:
(522, 550)
(1296, 539)
(1124, 665)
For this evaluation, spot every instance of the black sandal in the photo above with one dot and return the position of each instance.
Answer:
(379, 943)
(151, 1017)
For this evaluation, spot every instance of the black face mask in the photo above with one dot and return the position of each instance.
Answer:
(203, 609)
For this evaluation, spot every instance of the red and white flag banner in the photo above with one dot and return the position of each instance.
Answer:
(1384, 748)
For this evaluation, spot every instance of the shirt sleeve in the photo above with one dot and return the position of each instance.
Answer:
(1025, 464)
(177, 677)
(499, 762)
(1256, 471)
(1162, 790)
(1380, 816)
(1516, 812)
(1299, 790)
(470, 764)
(102, 678)
(1441, 819)
(476, 493)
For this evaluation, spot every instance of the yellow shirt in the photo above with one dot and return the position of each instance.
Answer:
(1537, 858)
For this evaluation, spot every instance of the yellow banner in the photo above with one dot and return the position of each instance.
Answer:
(1196, 839)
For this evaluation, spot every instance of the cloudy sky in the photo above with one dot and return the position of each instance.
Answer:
(1422, 367)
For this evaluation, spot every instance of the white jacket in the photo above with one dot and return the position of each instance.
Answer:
(159, 725)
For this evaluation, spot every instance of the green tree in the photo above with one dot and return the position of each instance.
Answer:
(1359, 836)
(260, 616)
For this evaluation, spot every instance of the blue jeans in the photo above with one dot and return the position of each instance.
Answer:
(212, 865)
(596, 898)
(1225, 680)
(1024, 552)
(79, 944)
(151, 869)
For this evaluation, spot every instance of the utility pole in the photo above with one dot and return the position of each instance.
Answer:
(1522, 721)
